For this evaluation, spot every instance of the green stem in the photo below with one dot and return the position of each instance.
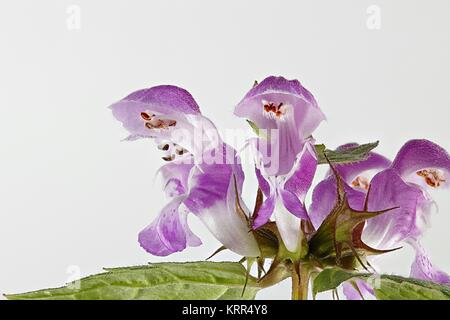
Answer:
(300, 282)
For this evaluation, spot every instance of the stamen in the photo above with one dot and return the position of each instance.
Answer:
(274, 111)
(155, 123)
(146, 116)
(164, 147)
(361, 182)
(434, 178)
(180, 151)
(169, 157)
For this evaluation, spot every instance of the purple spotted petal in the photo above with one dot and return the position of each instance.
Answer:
(307, 113)
(175, 177)
(422, 268)
(324, 199)
(388, 190)
(165, 99)
(420, 154)
(167, 113)
(352, 293)
(161, 100)
(265, 212)
(303, 173)
(169, 232)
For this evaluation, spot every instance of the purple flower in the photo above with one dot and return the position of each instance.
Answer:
(170, 116)
(290, 109)
(287, 114)
(204, 176)
(419, 166)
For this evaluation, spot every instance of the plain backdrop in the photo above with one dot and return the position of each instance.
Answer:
(73, 196)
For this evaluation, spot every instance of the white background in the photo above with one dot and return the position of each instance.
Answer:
(72, 194)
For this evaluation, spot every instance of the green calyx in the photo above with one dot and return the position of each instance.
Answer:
(338, 240)
(336, 243)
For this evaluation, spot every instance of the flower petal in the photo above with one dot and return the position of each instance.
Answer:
(265, 212)
(277, 153)
(303, 173)
(293, 204)
(420, 154)
(169, 232)
(175, 177)
(263, 184)
(165, 100)
(324, 199)
(280, 90)
(212, 198)
(422, 268)
(169, 113)
(353, 294)
(288, 224)
(388, 190)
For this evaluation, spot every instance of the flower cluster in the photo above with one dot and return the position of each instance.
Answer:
(388, 202)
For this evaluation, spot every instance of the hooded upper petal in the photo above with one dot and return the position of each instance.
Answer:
(276, 90)
(423, 162)
(167, 113)
(163, 100)
(289, 112)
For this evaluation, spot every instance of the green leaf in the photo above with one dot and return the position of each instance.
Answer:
(256, 129)
(330, 279)
(159, 281)
(386, 287)
(353, 154)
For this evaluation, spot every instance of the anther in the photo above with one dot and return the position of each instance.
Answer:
(180, 151)
(168, 158)
(361, 182)
(432, 177)
(164, 147)
(145, 116)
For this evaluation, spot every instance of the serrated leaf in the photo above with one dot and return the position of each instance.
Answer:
(161, 281)
(386, 287)
(353, 154)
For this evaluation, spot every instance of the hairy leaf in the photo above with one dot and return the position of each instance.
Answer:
(386, 287)
(160, 281)
(353, 154)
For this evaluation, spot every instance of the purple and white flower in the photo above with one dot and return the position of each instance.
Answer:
(419, 166)
(286, 161)
(204, 176)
